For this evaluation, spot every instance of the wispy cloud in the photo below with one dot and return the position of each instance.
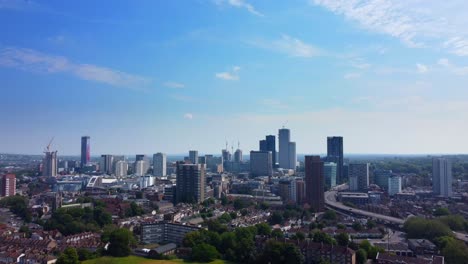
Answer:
(291, 46)
(352, 75)
(239, 4)
(421, 68)
(232, 75)
(188, 116)
(34, 61)
(434, 24)
(459, 70)
(171, 84)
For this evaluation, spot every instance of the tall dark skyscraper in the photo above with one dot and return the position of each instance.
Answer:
(335, 154)
(190, 183)
(269, 144)
(85, 151)
(315, 193)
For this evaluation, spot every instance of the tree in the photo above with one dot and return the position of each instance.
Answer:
(342, 239)
(370, 224)
(276, 218)
(263, 229)
(361, 256)
(276, 252)
(204, 253)
(441, 211)
(321, 237)
(416, 227)
(69, 256)
(329, 215)
(277, 233)
(120, 241)
(84, 254)
(357, 226)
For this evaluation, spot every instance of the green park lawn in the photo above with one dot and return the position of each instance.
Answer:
(140, 260)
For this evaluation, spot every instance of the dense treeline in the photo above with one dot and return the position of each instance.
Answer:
(237, 246)
(17, 205)
(71, 221)
(439, 231)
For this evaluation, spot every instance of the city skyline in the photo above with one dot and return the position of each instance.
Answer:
(322, 68)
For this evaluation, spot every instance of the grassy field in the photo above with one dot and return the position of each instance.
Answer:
(140, 260)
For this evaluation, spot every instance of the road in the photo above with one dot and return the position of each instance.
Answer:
(330, 200)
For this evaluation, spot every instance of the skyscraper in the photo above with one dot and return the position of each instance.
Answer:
(284, 137)
(107, 164)
(140, 157)
(269, 144)
(8, 185)
(190, 183)
(335, 154)
(442, 177)
(314, 183)
(261, 163)
(85, 151)
(238, 156)
(159, 164)
(50, 164)
(329, 171)
(292, 155)
(360, 173)
(287, 150)
(193, 156)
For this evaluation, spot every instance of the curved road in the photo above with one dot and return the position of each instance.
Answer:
(330, 200)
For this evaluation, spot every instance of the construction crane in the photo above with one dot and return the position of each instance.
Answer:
(47, 149)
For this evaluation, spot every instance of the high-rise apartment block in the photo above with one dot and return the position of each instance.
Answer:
(360, 174)
(261, 163)
(394, 185)
(8, 185)
(190, 183)
(85, 151)
(442, 177)
(335, 154)
(159, 164)
(50, 164)
(315, 193)
(121, 168)
(381, 178)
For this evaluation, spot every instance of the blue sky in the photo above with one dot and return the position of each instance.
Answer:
(168, 76)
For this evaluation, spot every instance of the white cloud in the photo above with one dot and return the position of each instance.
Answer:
(229, 75)
(171, 84)
(352, 75)
(421, 68)
(459, 70)
(188, 116)
(239, 4)
(291, 46)
(416, 23)
(34, 61)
